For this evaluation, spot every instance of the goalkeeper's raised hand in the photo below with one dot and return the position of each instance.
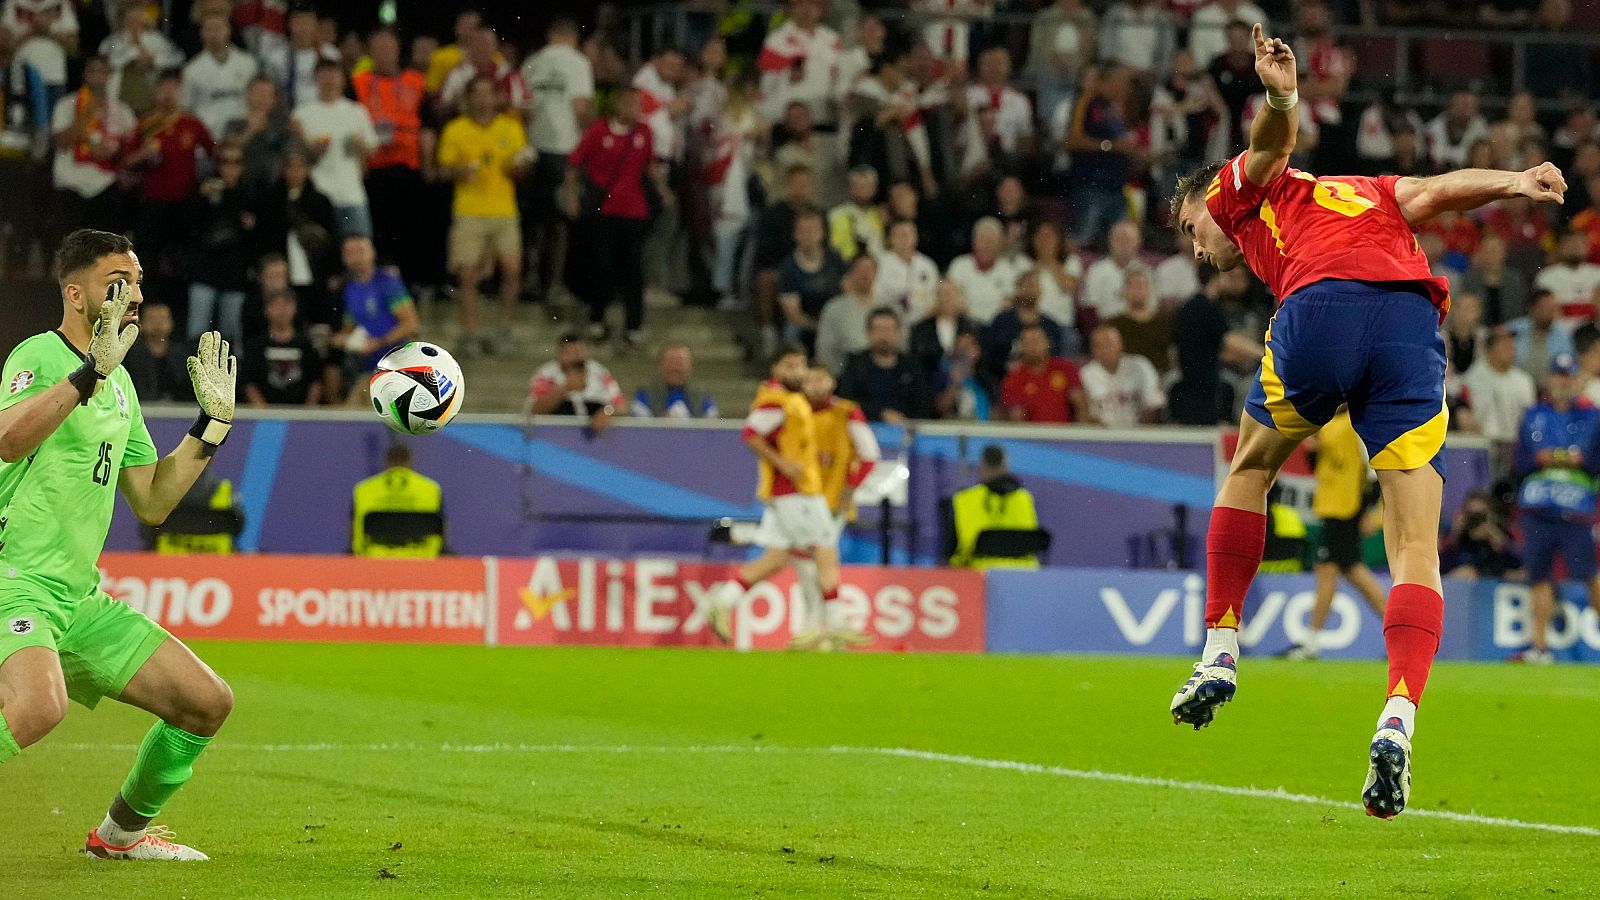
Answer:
(214, 373)
(109, 339)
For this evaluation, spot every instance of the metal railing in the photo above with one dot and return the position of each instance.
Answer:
(1395, 55)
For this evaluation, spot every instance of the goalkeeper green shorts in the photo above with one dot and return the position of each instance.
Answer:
(102, 642)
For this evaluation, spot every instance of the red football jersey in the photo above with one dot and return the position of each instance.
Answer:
(1301, 228)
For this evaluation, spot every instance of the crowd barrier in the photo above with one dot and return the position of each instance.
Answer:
(515, 486)
(661, 602)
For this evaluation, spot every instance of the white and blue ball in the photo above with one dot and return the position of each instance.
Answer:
(417, 388)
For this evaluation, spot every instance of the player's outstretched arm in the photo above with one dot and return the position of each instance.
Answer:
(1273, 133)
(154, 491)
(1421, 199)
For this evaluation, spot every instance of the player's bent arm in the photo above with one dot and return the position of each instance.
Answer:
(153, 491)
(1273, 133)
(1421, 199)
(28, 424)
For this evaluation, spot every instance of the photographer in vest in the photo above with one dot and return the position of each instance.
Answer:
(672, 395)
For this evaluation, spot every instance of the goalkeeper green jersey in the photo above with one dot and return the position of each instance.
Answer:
(56, 503)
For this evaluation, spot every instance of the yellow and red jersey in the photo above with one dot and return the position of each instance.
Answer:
(1301, 229)
(846, 451)
(783, 419)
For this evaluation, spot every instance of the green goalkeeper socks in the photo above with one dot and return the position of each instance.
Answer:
(165, 763)
(8, 744)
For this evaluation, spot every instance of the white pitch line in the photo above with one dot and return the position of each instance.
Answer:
(957, 759)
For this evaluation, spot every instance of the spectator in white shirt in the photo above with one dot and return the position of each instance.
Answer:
(842, 327)
(89, 127)
(985, 277)
(1123, 390)
(1102, 284)
(339, 136)
(1013, 113)
(138, 54)
(1060, 271)
(1498, 393)
(214, 81)
(1177, 278)
(45, 34)
(572, 384)
(906, 278)
(1452, 133)
(799, 62)
(293, 65)
(1207, 39)
(1572, 278)
(664, 108)
(560, 83)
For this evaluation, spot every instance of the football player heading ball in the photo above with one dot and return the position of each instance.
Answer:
(1357, 325)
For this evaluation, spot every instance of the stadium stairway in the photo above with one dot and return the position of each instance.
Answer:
(500, 383)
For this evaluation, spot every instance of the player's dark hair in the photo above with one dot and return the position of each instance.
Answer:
(571, 337)
(397, 455)
(82, 248)
(1195, 182)
(327, 64)
(563, 25)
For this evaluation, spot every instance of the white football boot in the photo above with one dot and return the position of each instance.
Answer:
(157, 843)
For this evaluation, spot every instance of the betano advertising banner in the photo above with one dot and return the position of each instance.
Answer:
(662, 603)
(304, 598)
(1163, 613)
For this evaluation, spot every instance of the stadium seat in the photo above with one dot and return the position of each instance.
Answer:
(1014, 543)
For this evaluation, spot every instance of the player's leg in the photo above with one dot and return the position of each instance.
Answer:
(33, 690)
(1326, 574)
(1235, 541)
(33, 695)
(810, 625)
(1412, 623)
(112, 650)
(1577, 551)
(730, 594)
(1366, 584)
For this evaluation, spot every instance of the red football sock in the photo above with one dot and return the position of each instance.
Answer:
(1234, 545)
(1411, 626)
(830, 594)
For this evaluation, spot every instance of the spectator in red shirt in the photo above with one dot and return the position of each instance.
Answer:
(162, 152)
(612, 161)
(1042, 388)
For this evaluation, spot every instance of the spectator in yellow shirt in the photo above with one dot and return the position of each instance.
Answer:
(483, 153)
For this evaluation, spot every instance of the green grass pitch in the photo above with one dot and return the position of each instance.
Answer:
(363, 771)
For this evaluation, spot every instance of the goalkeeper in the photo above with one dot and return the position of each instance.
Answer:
(71, 434)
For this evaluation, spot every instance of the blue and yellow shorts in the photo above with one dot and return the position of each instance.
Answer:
(1375, 347)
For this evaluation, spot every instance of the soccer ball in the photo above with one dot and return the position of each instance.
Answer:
(417, 388)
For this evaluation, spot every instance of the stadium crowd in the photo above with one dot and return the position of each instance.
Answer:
(963, 218)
